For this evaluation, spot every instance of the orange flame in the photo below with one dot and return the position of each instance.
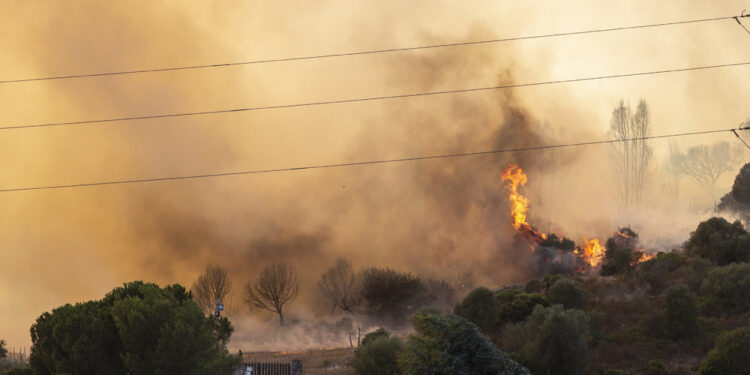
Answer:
(514, 176)
(644, 257)
(592, 252)
(623, 235)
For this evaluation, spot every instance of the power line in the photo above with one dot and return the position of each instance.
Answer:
(740, 22)
(363, 163)
(370, 52)
(368, 99)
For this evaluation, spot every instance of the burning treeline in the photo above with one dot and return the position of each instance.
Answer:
(555, 252)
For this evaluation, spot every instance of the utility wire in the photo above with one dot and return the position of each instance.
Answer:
(740, 22)
(743, 126)
(370, 52)
(363, 163)
(367, 99)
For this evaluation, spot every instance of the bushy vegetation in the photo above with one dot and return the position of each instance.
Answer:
(727, 289)
(377, 355)
(720, 242)
(137, 328)
(479, 307)
(567, 293)
(661, 316)
(448, 344)
(731, 356)
(444, 344)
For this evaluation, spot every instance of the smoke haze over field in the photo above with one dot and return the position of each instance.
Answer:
(437, 218)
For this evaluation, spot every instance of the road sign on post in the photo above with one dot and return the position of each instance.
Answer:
(219, 308)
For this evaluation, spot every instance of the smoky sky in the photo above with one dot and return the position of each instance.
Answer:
(438, 218)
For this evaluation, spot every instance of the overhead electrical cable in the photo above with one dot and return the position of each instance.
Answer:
(363, 163)
(368, 52)
(737, 18)
(367, 99)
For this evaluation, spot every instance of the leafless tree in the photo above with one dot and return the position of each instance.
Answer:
(630, 157)
(340, 287)
(672, 167)
(277, 285)
(213, 284)
(705, 165)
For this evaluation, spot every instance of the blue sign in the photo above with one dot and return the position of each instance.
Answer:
(220, 307)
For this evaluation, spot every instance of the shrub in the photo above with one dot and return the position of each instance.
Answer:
(555, 340)
(377, 356)
(448, 344)
(730, 356)
(655, 272)
(479, 307)
(727, 288)
(18, 371)
(620, 256)
(720, 242)
(387, 292)
(380, 332)
(515, 306)
(654, 367)
(567, 293)
(681, 313)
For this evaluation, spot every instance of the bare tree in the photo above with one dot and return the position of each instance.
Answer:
(340, 287)
(277, 285)
(672, 167)
(705, 165)
(630, 157)
(213, 284)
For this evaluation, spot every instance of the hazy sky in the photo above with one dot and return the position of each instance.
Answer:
(432, 217)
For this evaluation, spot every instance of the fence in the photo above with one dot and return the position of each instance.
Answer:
(271, 368)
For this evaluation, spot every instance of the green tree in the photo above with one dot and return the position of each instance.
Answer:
(378, 356)
(138, 328)
(720, 242)
(681, 313)
(515, 305)
(479, 307)
(449, 344)
(380, 332)
(3, 350)
(730, 357)
(555, 340)
(567, 293)
(727, 288)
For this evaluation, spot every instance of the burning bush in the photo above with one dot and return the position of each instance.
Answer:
(621, 254)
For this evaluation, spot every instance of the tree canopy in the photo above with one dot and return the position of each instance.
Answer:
(137, 328)
(448, 344)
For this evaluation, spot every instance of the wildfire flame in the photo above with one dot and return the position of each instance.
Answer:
(644, 257)
(592, 252)
(513, 176)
